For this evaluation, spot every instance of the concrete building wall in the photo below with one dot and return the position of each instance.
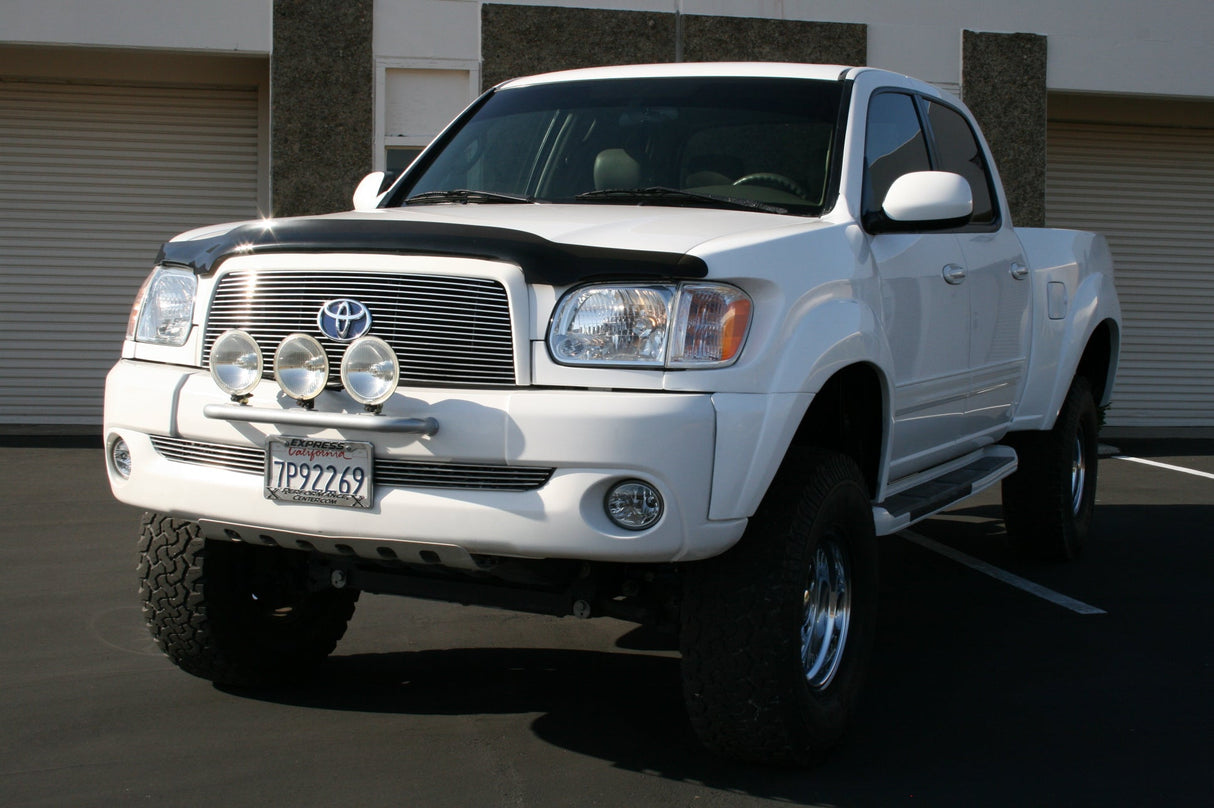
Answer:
(719, 38)
(518, 40)
(1097, 46)
(1100, 46)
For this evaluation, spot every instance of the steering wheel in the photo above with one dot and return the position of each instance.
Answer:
(771, 180)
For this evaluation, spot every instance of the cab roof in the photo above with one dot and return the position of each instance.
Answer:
(692, 69)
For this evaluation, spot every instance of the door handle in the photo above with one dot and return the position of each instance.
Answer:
(1019, 271)
(954, 274)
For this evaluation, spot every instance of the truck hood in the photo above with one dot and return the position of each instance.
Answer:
(634, 227)
(556, 244)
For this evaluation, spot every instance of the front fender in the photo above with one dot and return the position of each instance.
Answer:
(823, 335)
(826, 334)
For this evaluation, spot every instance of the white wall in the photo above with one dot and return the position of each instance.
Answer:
(236, 26)
(428, 29)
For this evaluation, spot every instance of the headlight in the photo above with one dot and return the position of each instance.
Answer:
(675, 326)
(613, 325)
(164, 308)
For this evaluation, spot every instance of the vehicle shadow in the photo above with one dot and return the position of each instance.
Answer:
(624, 708)
(978, 694)
(964, 701)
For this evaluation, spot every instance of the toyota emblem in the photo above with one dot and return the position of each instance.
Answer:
(343, 319)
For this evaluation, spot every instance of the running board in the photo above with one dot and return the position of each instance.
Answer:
(955, 483)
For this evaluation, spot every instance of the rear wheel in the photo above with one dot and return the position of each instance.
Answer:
(776, 633)
(234, 613)
(1048, 503)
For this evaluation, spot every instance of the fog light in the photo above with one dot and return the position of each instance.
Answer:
(236, 363)
(301, 367)
(120, 458)
(369, 371)
(634, 505)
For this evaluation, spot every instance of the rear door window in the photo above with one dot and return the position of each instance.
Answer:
(957, 150)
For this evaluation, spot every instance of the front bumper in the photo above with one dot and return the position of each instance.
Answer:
(589, 439)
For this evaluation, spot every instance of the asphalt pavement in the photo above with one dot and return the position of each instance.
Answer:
(983, 691)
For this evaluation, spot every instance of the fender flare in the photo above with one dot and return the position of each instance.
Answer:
(754, 431)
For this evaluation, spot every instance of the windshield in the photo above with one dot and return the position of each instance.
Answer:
(674, 141)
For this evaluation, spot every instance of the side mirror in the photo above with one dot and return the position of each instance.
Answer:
(925, 200)
(366, 195)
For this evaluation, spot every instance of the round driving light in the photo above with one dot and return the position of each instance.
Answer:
(301, 367)
(633, 505)
(369, 371)
(236, 363)
(120, 458)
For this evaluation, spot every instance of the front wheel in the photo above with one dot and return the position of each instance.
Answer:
(233, 613)
(776, 632)
(1048, 503)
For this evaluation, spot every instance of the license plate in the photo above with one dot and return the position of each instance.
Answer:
(319, 472)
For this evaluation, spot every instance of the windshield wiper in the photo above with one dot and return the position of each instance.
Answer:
(465, 196)
(675, 196)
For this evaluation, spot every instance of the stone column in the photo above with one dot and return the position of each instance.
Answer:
(322, 88)
(1003, 81)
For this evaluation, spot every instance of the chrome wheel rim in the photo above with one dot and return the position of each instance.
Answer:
(1079, 473)
(827, 615)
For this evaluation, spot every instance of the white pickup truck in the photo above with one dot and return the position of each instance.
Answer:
(666, 343)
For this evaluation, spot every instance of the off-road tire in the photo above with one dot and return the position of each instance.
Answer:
(745, 684)
(1048, 503)
(233, 613)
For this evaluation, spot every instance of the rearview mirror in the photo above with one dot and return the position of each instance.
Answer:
(366, 195)
(924, 200)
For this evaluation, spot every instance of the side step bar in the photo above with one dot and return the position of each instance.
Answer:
(949, 486)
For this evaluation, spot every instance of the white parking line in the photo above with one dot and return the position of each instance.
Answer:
(1167, 466)
(1058, 599)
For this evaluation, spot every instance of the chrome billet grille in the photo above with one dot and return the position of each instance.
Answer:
(446, 331)
(411, 474)
(233, 458)
(388, 472)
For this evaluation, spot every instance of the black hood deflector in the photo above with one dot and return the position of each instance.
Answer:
(542, 261)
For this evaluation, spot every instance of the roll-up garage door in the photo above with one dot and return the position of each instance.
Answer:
(1151, 191)
(92, 180)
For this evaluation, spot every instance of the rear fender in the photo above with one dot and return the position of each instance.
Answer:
(1073, 294)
